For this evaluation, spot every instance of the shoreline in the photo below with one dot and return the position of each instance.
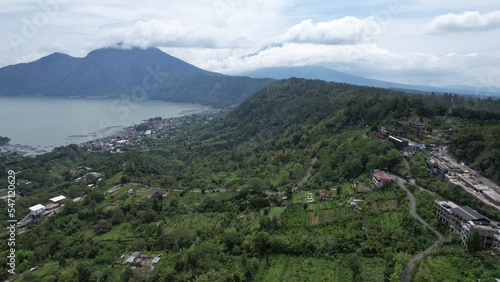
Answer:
(104, 134)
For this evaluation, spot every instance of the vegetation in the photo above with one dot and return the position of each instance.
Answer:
(478, 145)
(4, 140)
(237, 196)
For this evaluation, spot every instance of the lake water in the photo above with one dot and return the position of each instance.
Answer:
(35, 125)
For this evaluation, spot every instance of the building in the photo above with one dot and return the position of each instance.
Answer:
(408, 152)
(417, 146)
(156, 260)
(380, 179)
(157, 192)
(364, 190)
(464, 220)
(377, 135)
(37, 210)
(324, 194)
(399, 143)
(391, 129)
(57, 200)
(441, 167)
(416, 123)
(132, 258)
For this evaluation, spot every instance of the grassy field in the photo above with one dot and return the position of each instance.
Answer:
(454, 263)
(276, 211)
(289, 268)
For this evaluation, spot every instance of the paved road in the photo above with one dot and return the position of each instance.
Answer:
(413, 211)
(306, 177)
(483, 179)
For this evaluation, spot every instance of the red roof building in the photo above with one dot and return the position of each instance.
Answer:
(380, 179)
(324, 194)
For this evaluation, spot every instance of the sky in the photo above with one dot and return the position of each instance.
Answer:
(435, 43)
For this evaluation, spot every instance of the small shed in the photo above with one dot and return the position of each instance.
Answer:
(37, 210)
(58, 199)
(132, 257)
(364, 190)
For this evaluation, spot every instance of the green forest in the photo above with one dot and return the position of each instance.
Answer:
(268, 192)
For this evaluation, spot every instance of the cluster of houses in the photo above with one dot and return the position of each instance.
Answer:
(39, 210)
(132, 136)
(393, 133)
(138, 259)
(51, 206)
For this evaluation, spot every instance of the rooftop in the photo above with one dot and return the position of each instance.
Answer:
(381, 175)
(37, 207)
(397, 139)
(467, 213)
(57, 199)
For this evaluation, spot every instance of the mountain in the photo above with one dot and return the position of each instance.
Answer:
(137, 72)
(238, 198)
(328, 74)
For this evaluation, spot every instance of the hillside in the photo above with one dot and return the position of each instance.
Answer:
(331, 75)
(238, 198)
(133, 72)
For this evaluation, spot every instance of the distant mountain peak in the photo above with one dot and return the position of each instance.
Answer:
(110, 72)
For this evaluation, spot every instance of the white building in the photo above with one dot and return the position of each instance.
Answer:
(37, 210)
(463, 220)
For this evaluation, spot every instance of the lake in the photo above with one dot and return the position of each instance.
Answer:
(37, 125)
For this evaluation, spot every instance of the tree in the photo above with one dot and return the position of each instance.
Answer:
(102, 226)
(354, 262)
(126, 274)
(474, 242)
(124, 179)
(117, 216)
(83, 272)
(257, 184)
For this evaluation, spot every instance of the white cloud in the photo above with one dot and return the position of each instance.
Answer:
(347, 30)
(170, 33)
(369, 39)
(466, 21)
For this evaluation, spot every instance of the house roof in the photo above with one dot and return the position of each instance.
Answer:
(391, 128)
(130, 259)
(467, 213)
(156, 192)
(416, 121)
(57, 199)
(37, 207)
(377, 134)
(364, 189)
(396, 139)
(324, 193)
(381, 175)
(409, 149)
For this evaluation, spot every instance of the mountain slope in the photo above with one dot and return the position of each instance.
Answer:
(327, 74)
(112, 72)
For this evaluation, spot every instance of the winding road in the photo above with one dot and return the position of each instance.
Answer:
(413, 211)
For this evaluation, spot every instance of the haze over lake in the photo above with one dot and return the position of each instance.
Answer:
(45, 123)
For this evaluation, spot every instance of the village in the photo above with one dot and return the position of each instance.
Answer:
(140, 136)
